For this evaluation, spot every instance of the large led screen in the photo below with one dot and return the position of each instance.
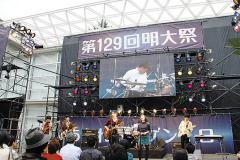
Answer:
(137, 76)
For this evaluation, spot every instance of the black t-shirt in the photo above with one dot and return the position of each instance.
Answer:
(144, 127)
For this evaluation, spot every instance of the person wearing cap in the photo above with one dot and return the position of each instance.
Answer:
(35, 144)
(70, 151)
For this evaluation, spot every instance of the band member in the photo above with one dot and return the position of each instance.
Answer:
(47, 125)
(184, 130)
(144, 136)
(67, 126)
(110, 128)
(136, 80)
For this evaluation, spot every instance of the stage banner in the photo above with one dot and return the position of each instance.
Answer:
(167, 129)
(134, 40)
(4, 31)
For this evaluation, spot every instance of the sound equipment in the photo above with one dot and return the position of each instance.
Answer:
(86, 133)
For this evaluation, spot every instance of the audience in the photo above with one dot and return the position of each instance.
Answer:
(6, 153)
(70, 151)
(125, 143)
(36, 143)
(180, 154)
(53, 148)
(13, 145)
(116, 152)
(91, 153)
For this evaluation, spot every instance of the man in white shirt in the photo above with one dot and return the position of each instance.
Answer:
(185, 130)
(136, 80)
(70, 151)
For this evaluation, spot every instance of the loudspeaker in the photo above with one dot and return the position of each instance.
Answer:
(86, 133)
(175, 146)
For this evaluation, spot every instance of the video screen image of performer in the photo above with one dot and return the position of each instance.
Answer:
(185, 130)
(144, 136)
(47, 125)
(66, 127)
(135, 81)
(110, 128)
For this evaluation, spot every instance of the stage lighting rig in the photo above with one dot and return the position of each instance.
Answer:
(85, 103)
(94, 66)
(85, 92)
(95, 78)
(142, 111)
(84, 113)
(203, 98)
(174, 111)
(86, 66)
(178, 58)
(154, 112)
(78, 67)
(85, 78)
(189, 71)
(188, 58)
(190, 85)
(200, 56)
(195, 111)
(199, 70)
(190, 99)
(93, 113)
(202, 84)
(77, 77)
(181, 85)
(180, 72)
(164, 111)
(74, 103)
(184, 111)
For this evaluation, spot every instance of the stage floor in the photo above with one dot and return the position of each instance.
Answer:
(205, 157)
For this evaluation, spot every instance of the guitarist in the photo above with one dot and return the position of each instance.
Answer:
(185, 130)
(110, 128)
(66, 127)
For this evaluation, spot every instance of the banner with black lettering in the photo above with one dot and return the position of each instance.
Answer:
(4, 31)
(139, 39)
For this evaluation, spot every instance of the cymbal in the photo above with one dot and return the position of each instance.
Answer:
(134, 83)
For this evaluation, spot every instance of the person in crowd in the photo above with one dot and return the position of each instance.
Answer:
(192, 154)
(180, 154)
(66, 127)
(6, 152)
(70, 151)
(13, 145)
(47, 125)
(144, 131)
(110, 128)
(125, 143)
(53, 148)
(185, 130)
(91, 153)
(36, 142)
(116, 152)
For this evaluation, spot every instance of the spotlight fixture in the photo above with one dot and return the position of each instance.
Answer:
(86, 67)
(178, 58)
(74, 103)
(85, 103)
(190, 85)
(75, 91)
(101, 112)
(78, 67)
(85, 78)
(70, 94)
(174, 111)
(188, 58)
(95, 78)
(199, 69)
(71, 82)
(203, 98)
(164, 111)
(181, 85)
(213, 86)
(190, 71)
(72, 72)
(84, 113)
(202, 84)
(142, 111)
(180, 72)
(184, 111)
(154, 112)
(94, 66)
(129, 112)
(200, 56)
(190, 99)
(93, 113)
(78, 78)
(73, 63)
(85, 92)
(210, 60)
(195, 111)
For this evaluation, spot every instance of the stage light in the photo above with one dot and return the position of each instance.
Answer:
(164, 111)
(178, 58)
(210, 60)
(85, 79)
(75, 91)
(190, 99)
(93, 113)
(188, 58)
(94, 66)
(72, 72)
(73, 63)
(199, 70)
(74, 103)
(85, 103)
(70, 94)
(181, 85)
(190, 85)
(95, 78)
(174, 111)
(23, 28)
(14, 34)
(84, 113)
(203, 98)
(200, 56)
(195, 111)
(142, 111)
(184, 111)
(85, 92)
(211, 73)
(129, 112)
(101, 112)
(86, 66)
(180, 72)
(78, 67)
(190, 71)
(71, 82)
(202, 84)
(213, 86)
(154, 111)
(78, 78)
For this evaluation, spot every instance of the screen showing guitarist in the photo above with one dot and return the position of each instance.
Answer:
(110, 128)
(47, 125)
(185, 130)
(66, 127)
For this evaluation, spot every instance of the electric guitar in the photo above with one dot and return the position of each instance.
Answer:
(186, 131)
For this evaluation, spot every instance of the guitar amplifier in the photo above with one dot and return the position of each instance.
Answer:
(86, 133)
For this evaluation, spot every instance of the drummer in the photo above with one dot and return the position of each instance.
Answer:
(136, 80)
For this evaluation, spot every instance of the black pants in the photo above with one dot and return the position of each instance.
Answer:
(140, 152)
(184, 140)
(114, 138)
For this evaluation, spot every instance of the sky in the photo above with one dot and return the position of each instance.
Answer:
(11, 9)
